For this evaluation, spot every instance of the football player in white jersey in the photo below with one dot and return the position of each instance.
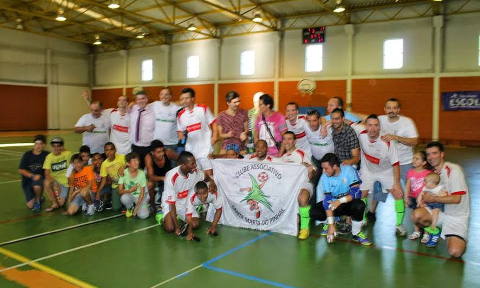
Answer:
(380, 163)
(200, 196)
(166, 119)
(297, 124)
(260, 155)
(295, 155)
(454, 219)
(178, 183)
(198, 123)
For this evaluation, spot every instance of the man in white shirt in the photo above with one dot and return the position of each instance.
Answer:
(166, 119)
(197, 123)
(95, 128)
(142, 126)
(380, 163)
(401, 129)
(297, 124)
(295, 155)
(119, 124)
(319, 137)
(454, 219)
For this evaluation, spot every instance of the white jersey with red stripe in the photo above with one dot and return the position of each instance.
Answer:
(377, 155)
(119, 136)
(178, 186)
(193, 202)
(298, 128)
(197, 122)
(319, 145)
(453, 179)
(297, 156)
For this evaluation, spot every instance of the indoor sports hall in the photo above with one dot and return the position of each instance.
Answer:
(425, 53)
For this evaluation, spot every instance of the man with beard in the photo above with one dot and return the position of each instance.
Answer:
(232, 125)
(345, 139)
(166, 119)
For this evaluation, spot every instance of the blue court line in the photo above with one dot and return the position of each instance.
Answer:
(236, 248)
(265, 281)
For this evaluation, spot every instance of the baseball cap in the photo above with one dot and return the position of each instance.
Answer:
(57, 140)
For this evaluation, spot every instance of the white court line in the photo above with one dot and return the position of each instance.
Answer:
(11, 181)
(16, 144)
(76, 248)
(174, 277)
(59, 230)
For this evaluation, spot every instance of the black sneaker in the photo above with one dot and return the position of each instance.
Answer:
(371, 216)
(108, 205)
(345, 229)
(183, 230)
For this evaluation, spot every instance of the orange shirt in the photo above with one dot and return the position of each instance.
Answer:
(80, 179)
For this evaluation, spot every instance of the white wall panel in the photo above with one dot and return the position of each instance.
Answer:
(135, 58)
(109, 69)
(417, 40)
(264, 46)
(206, 49)
(461, 43)
(334, 54)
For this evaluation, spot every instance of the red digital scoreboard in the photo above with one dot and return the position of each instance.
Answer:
(313, 35)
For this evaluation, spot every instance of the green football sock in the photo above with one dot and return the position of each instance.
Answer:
(432, 231)
(365, 210)
(304, 217)
(400, 209)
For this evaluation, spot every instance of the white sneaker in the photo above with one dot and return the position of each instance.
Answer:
(91, 210)
(401, 231)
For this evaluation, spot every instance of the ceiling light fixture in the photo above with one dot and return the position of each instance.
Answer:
(339, 8)
(97, 40)
(19, 25)
(257, 17)
(114, 5)
(191, 27)
(60, 17)
(141, 35)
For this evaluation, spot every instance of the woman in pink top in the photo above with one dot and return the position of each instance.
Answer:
(270, 125)
(414, 184)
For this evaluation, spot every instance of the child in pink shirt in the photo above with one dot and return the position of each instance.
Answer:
(414, 184)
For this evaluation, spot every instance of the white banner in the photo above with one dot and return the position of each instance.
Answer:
(259, 195)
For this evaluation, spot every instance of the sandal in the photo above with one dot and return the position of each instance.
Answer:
(415, 235)
(425, 237)
(51, 208)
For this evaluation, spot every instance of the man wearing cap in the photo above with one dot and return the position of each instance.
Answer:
(95, 128)
(55, 167)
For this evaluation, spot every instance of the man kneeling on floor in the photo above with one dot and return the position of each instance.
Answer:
(131, 187)
(178, 183)
(82, 187)
(201, 196)
(341, 186)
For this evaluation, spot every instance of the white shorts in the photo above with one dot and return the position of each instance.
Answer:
(204, 163)
(368, 179)
(180, 209)
(307, 186)
(452, 225)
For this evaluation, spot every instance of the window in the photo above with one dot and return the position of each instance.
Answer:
(393, 54)
(247, 62)
(314, 58)
(147, 70)
(193, 66)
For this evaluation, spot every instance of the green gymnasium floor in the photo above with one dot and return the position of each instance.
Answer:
(107, 250)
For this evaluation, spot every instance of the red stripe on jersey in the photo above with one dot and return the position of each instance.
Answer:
(388, 143)
(363, 132)
(194, 127)
(170, 202)
(193, 197)
(300, 135)
(205, 107)
(188, 214)
(113, 110)
(220, 208)
(448, 171)
(269, 158)
(183, 194)
(459, 193)
(301, 117)
(174, 178)
(396, 164)
(301, 153)
(214, 120)
(181, 112)
(372, 159)
(215, 193)
(120, 128)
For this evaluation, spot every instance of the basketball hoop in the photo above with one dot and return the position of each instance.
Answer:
(306, 86)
